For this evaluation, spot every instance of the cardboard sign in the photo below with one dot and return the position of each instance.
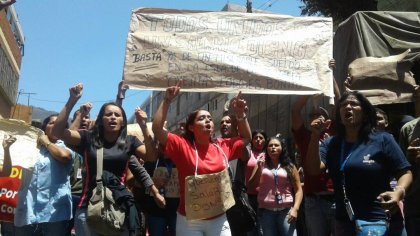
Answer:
(229, 51)
(171, 182)
(208, 195)
(383, 80)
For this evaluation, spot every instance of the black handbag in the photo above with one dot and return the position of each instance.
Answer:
(241, 217)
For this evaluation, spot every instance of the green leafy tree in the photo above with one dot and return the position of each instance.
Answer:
(337, 9)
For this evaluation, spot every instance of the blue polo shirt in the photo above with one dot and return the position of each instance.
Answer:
(44, 194)
(368, 171)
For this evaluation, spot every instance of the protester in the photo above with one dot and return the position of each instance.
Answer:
(381, 120)
(6, 167)
(228, 129)
(280, 191)
(361, 162)
(81, 121)
(201, 160)
(256, 152)
(109, 133)
(44, 199)
(160, 221)
(410, 144)
(319, 206)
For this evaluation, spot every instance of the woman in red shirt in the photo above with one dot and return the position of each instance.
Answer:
(205, 191)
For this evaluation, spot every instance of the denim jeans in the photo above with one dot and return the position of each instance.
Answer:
(218, 226)
(81, 226)
(319, 216)
(274, 223)
(348, 228)
(7, 229)
(43, 229)
(158, 226)
(75, 200)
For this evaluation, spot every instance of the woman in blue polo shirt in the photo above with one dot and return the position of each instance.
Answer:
(361, 162)
(44, 200)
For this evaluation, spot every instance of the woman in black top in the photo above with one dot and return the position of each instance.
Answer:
(109, 133)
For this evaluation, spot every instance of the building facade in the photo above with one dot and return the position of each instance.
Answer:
(11, 53)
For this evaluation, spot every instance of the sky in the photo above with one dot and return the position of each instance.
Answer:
(72, 41)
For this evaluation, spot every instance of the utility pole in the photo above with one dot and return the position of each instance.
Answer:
(249, 6)
(29, 95)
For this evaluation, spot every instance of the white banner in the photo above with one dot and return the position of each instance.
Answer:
(226, 52)
(24, 151)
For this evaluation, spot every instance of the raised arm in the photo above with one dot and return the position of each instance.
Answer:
(79, 114)
(297, 106)
(337, 94)
(240, 108)
(151, 149)
(160, 116)
(70, 137)
(122, 88)
(313, 165)
(7, 161)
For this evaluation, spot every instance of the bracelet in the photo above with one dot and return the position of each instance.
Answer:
(400, 188)
(241, 119)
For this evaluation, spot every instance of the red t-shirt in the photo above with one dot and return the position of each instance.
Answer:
(313, 184)
(210, 158)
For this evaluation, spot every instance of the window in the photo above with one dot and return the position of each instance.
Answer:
(9, 79)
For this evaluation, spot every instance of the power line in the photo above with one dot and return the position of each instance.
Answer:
(271, 4)
(63, 102)
(264, 4)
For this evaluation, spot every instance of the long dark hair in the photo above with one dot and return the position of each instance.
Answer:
(189, 135)
(284, 158)
(369, 116)
(98, 129)
(262, 132)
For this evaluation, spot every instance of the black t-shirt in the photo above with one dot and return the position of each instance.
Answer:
(115, 160)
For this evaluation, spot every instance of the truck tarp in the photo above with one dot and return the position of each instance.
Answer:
(379, 34)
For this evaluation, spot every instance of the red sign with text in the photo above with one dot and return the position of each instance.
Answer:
(9, 187)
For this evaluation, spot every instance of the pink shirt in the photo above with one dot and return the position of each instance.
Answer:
(267, 189)
(252, 162)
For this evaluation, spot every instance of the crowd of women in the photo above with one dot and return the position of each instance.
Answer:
(169, 173)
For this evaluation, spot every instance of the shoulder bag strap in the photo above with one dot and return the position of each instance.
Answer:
(99, 163)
